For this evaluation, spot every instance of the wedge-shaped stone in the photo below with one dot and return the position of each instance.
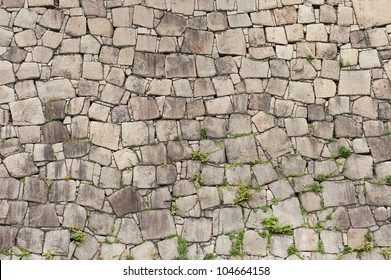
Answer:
(198, 42)
(339, 193)
(43, 216)
(355, 83)
(126, 201)
(171, 25)
(20, 165)
(105, 135)
(27, 112)
(156, 224)
(55, 89)
(231, 42)
(180, 66)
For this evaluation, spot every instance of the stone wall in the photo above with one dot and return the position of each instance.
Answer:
(162, 129)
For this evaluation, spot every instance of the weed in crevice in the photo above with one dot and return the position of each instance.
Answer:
(386, 252)
(177, 138)
(237, 242)
(77, 236)
(344, 151)
(320, 247)
(48, 255)
(271, 224)
(388, 180)
(309, 58)
(174, 207)
(243, 193)
(197, 155)
(366, 246)
(203, 133)
(292, 250)
(182, 249)
(209, 256)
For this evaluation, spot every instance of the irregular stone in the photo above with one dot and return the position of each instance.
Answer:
(122, 17)
(105, 135)
(54, 132)
(306, 239)
(231, 42)
(156, 224)
(149, 65)
(74, 215)
(219, 106)
(302, 92)
(230, 220)
(277, 87)
(9, 188)
(109, 55)
(288, 212)
(90, 196)
(354, 83)
(35, 190)
(178, 150)
(56, 170)
(81, 170)
(347, 127)
(339, 193)
(143, 16)
(174, 108)
(254, 244)
(166, 175)
(382, 89)
(16, 213)
(68, 66)
(217, 21)
(112, 251)
(20, 165)
(198, 42)
(135, 133)
(55, 89)
(171, 25)
(6, 73)
(382, 236)
(87, 249)
(276, 35)
(253, 69)
(52, 19)
(145, 251)
(101, 223)
(279, 245)
(241, 149)
(31, 239)
(197, 230)
(144, 177)
(129, 232)
(275, 142)
(43, 216)
(10, 146)
(75, 149)
(180, 66)
(381, 150)
(378, 195)
(358, 167)
(371, 16)
(94, 8)
(100, 27)
(339, 105)
(361, 217)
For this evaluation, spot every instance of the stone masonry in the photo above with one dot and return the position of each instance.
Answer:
(195, 129)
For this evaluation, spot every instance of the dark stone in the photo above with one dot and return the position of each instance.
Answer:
(174, 108)
(16, 213)
(35, 190)
(15, 55)
(359, 39)
(9, 147)
(63, 190)
(55, 110)
(380, 147)
(260, 102)
(171, 25)
(156, 224)
(54, 132)
(198, 42)
(226, 65)
(75, 149)
(316, 112)
(120, 114)
(7, 237)
(180, 66)
(385, 54)
(126, 201)
(149, 65)
(9, 188)
(43, 216)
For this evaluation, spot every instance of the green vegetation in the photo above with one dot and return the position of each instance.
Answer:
(319, 227)
(292, 250)
(366, 246)
(77, 236)
(220, 144)
(3, 139)
(236, 135)
(341, 62)
(329, 217)
(237, 242)
(232, 165)
(203, 133)
(68, 177)
(182, 249)
(344, 151)
(320, 247)
(243, 193)
(321, 177)
(315, 187)
(386, 252)
(197, 178)
(177, 138)
(209, 256)
(388, 180)
(254, 161)
(129, 258)
(197, 155)
(48, 255)
(271, 224)
(4, 252)
(174, 206)
(309, 58)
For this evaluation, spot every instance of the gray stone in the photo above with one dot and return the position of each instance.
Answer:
(110, 178)
(219, 106)
(6, 73)
(87, 249)
(143, 16)
(289, 212)
(20, 165)
(166, 175)
(126, 201)
(338, 105)
(275, 142)
(332, 241)
(241, 149)
(9, 147)
(369, 15)
(197, 230)
(31, 239)
(382, 89)
(208, 197)
(198, 42)
(361, 217)
(57, 242)
(171, 25)
(90, 196)
(35, 190)
(339, 193)
(217, 21)
(168, 248)
(43, 216)
(129, 232)
(149, 65)
(230, 220)
(253, 244)
(155, 154)
(223, 245)
(94, 8)
(180, 66)
(16, 213)
(263, 121)
(354, 83)
(145, 251)
(174, 108)
(15, 55)
(81, 170)
(9, 188)
(347, 127)
(55, 89)
(253, 69)
(105, 135)
(101, 223)
(264, 173)
(62, 191)
(26, 38)
(356, 237)
(281, 189)
(302, 92)
(68, 66)
(144, 177)
(231, 42)
(378, 195)
(100, 27)
(306, 239)
(54, 132)
(74, 215)
(156, 224)
(56, 170)
(112, 251)
(52, 19)
(382, 236)
(358, 167)
(75, 149)
(183, 188)
(381, 150)
(122, 17)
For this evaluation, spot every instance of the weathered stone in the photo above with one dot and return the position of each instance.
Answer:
(174, 108)
(55, 89)
(381, 150)
(166, 175)
(339, 193)
(180, 66)
(145, 251)
(253, 244)
(122, 17)
(219, 106)
(277, 87)
(135, 133)
(358, 167)
(230, 220)
(100, 27)
(382, 236)
(87, 249)
(306, 239)
(275, 142)
(7, 237)
(16, 213)
(112, 251)
(20, 165)
(56, 170)
(369, 15)
(9, 188)
(143, 16)
(155, 154)
(208, 197)
(231, 42)
(90, 196)
(75, 149)
(289, 212)
(68, 66)
(156, 224)
(144, 177)
(198, 42)
(101, 223)
(6, 73)
(382, 89)
(43, 216)
(354, 83)
(264, 173)
(361, 217)
(149, 65)
(347, 127)
(378, 195)
(197, 230)
(54, 132)
(178, 150)
(129, 232)
(302, 92)
(279, 245)
(94, 8)
(31, 239)
(74, 215)
(81, 170)
(105, 135)
(241, 149)
(171, 25)
(35, 190)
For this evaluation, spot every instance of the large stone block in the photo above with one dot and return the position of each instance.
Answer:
(180, 66)
(54, 132)
(144, 108)
(171, 25)
(355, 83)
(105, 134)
(197, 230)
(288, 212)
(20, 165)
(380, 147)
(241, 149)
(231, 42)
(68, 66)
(339, 193)
(43, 216)
(90, 196)
(156, 224)
(275, 142)
(371, 14)
(94, 8)
(55, 89)
(197, 42)
(149, 64)
(126, 201)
